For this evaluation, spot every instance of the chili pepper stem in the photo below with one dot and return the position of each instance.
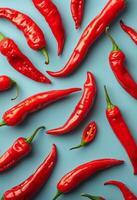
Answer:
(90, 196)
(45, 53)
(17, 90)
(108, 100)
(3, 124)
(30, 139)
(1, 36)
(115, 45)
(2, 198)
(79, 146)
(57, 195)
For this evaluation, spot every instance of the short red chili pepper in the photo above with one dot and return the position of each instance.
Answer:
(88, 136)
(19, 61)
(51, 14)
(77, 9)
(19, 112)
(81, 109)
(81, 173)
(21, 148)
(122, 131)
(96, 27)
(128, 195)
(130, 31)
(28, 188)
(6, 83)
(116, 60)
(32, 32)
(92, 197)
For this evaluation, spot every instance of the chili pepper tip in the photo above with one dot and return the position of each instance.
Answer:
(57, 195)
(2, 123)
(108, 100)
(17, 90)
(115, 45)
(45, 53)
(91, 196)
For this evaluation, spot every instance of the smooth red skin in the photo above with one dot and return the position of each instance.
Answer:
(27, 189)
(127, 194)
(51, 14)
(81, 109)
(89, 138)
(77, 9)
(123, 133)
(16, 152)
(32, 32)
(19, 112)
(78, 175)
(96, 27)
(20, 62)
(5, 83)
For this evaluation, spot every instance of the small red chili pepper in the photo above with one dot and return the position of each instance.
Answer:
(51, 14)
(81, 173)
(6, 83)
(81, 109)
(27, 189)
(19, 112)
(96, 27)
(130, 31)
(88, 136)
(128, 195)
(92, 197)
(77, 8)
(21, 148)
(121, 130)
(32, 32)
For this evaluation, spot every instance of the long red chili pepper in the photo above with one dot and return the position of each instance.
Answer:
(116, 60)
(81, 109)
(19, 61)
(21, 148)
(19, 112)
(92, 197)
(27, 189)
(96, 27)
(51, 14)
(122, 131)
(81, 173)
(128, 195)
(32, 32)
(77, 8)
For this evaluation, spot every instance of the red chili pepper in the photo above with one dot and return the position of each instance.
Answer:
(121, 130)
(77, 9)
(92, 197)
(81, 109)
(21, 148)
(51, 14)
(130, 31)
(88, 136)
(19, 112)
(128, 195)
(27, 189)
(116, 60)
(6, 83)
(81, 173)
(19, 61)
(32, 32)
(96, 27)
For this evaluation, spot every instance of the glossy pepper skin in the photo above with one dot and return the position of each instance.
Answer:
(19, 112)
(81, 109)
(121, 130)
(96, 27)
(127, 194)
(52, 16)
(81, 173)
(116, 60)
(92, 197)
(27, 189)
(21, 148)
(77, 9)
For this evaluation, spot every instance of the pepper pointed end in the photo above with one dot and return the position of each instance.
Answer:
(57, 195)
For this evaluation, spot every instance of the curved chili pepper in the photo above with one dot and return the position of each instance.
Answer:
(19, 61)
(122, 131)
(21, 148)
(81, 173)
(92, 197)
(128, 195)
(81, 109)
(28, 188)
(32, 32)
(130, 31)
(88, 136)
(116, 60)
(51, 14)
(96, 27)
(77, 8)
(6, 83)
(19, 112)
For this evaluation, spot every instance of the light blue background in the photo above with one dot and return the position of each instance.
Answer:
(106, 144)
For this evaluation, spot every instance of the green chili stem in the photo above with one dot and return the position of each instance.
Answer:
(45, 53)
(108, 100)
(17, 90)
(115, 45)
(1, 36)
(2, 198)
(82, 144)
(91, 197)
(30, 139)
(57, 195)
(2, 123)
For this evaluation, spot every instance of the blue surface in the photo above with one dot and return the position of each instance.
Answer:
(106, 144)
